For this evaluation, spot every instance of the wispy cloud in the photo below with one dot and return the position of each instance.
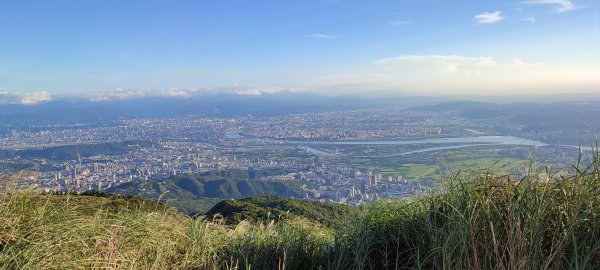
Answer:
(24, 98)
(436, 58)
(464, 75)
(561, 5)
(450, 64)
(529, 20)
(489, 17)
(321, 36)
(458, 74)
(401, 23)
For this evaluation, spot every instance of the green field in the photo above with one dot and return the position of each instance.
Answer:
(432, 165)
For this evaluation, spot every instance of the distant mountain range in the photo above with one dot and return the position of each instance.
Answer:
(559, 123)
(83, 111)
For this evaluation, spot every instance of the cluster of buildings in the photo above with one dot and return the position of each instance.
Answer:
(191, 145)
(343, 184)
(199, 129)
(149, 163)
(351, 125)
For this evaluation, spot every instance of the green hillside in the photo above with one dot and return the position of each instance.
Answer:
(279, 207)
(197, 193)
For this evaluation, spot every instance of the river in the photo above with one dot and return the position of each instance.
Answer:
(467, 142)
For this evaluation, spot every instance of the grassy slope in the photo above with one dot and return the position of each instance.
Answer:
(72, 232)
(478, 221)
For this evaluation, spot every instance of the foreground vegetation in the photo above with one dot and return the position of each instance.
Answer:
(477, 221)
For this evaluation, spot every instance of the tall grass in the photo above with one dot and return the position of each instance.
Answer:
(477, 221)
(77, 232)
(484, 221)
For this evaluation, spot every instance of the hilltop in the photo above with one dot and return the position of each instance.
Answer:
(196, 193)
(279, 207)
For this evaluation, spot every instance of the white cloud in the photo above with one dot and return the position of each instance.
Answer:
(262, 91)
(561, 5)
(489, 17)
(176, 92)
(124, 94)
(468, 66)
(321, 36)
(24, 98)
(119, 94)
(35, 97)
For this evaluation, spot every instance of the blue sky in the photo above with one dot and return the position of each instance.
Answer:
(493, 47)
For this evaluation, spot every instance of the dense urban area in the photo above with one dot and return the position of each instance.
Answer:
(343, 156)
